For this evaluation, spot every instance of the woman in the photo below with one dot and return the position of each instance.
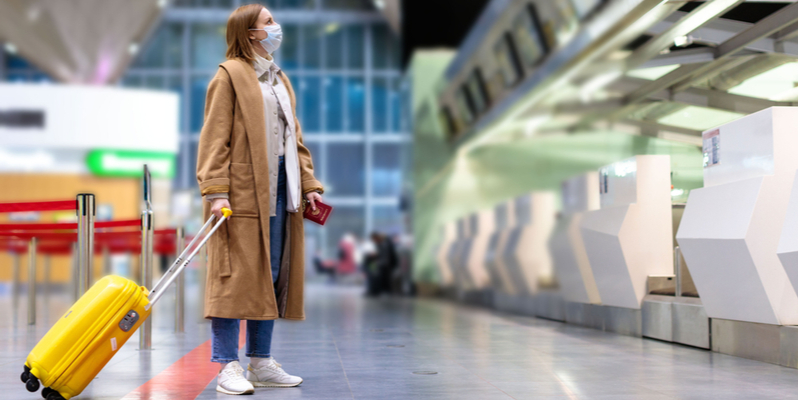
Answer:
(251, 158)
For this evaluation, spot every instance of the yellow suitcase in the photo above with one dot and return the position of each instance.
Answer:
(82, 342)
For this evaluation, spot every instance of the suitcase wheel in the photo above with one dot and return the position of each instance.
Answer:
(33, 384)
(53, 395)
(26, 374)
(46, 392)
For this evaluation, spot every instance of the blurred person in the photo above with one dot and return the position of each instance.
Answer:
(370, 267)
(385, 261)
(347, 254)
(324, 267)
(251, 159)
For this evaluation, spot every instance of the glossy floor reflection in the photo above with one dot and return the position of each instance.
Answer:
(353, 348)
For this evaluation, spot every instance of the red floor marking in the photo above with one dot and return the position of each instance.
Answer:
(186, 378)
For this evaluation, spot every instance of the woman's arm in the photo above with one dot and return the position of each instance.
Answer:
(213, 148)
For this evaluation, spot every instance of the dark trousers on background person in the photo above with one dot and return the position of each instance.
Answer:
(225, 331)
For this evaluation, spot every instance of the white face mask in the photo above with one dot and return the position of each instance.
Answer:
(274, 37)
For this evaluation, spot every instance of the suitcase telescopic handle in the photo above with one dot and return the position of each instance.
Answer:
(182, 261)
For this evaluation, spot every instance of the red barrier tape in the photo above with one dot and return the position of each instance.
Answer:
(67, 225)
(38, 206)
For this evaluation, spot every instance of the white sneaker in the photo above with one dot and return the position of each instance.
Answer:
(268, 373)
(231, 380)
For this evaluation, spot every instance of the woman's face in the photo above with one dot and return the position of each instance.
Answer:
(264, 19)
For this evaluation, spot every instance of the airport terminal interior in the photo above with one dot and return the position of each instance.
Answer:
(532, 199)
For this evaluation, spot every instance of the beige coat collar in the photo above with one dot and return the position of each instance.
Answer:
(249, 96)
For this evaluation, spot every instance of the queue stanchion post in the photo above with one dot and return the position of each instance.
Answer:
(47, 279)
(146, 270)
(86, 213)
(15, 278)
(74, 272)
(91, 207)
(180, 284)
(32, 282)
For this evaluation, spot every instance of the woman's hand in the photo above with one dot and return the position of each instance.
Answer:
(217, 205)
(313, 198)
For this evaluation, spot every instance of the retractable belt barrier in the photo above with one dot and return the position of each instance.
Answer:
(79, 239)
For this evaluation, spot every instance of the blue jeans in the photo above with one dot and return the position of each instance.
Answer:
(225, 331)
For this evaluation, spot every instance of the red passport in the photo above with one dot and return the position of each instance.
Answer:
(320, 215)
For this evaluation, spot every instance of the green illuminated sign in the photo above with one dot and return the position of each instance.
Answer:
(130, 163)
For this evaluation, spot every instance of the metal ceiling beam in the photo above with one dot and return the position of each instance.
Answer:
(691, 21)
(686, 56)
(788, 33)
(688, 23)
(767, 26)
(655, 126)
(691, 96)
(615, 25)
(720, 30)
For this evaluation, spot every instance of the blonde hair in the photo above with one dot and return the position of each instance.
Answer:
(236, 35)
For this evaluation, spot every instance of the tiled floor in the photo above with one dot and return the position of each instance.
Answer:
(353, 348)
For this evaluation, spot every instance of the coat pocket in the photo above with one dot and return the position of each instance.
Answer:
(219, 253)
(243, 190)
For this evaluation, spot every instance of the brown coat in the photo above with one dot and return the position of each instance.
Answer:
(232, 158)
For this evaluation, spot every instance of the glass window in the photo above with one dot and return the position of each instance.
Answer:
(387, 219)
(355, 46)
(208, 45)
(345, 169)
(385, 49)
(14, 61)
(334, 46)
(154, 82)
(395, 107)
(387, 172)
(310, 94)
(333, 104)
(380, 46)
(132, 81)
(312, 35)
(198, 102)
(355, 105)
(191, 166)
(175, 85)
(163, 49)
(174, 45)
(348, 4)
(346, 219)
(278, 4)
(316, 157)
(154, 52)
(380, 89)
(287, 56)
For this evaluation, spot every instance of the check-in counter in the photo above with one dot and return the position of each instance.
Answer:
(475, 276)
(787, 247)
(499, 279)
(630, 237)
(443, 254)
(731, 228)
(525, 255)
(579, 195)
(455, 257)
